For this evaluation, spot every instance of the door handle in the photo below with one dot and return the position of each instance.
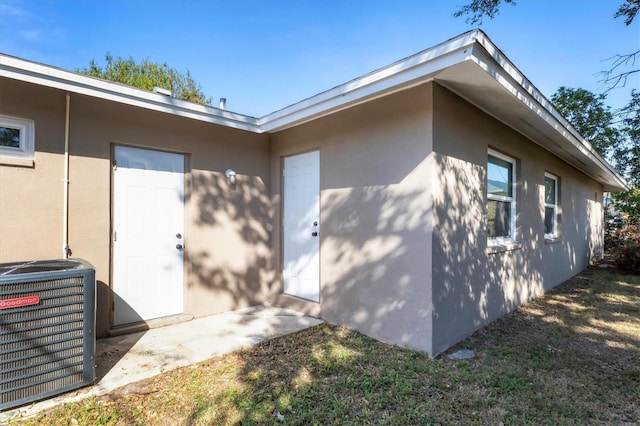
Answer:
(314, 234)
(180, 247)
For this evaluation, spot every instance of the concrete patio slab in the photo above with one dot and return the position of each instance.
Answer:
(126, 359)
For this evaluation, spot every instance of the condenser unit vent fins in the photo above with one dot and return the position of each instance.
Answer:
(47, 336)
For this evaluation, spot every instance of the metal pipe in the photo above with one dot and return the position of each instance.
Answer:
(65, 181)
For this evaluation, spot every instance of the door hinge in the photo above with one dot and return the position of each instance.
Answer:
(115, 236)
(114, 165)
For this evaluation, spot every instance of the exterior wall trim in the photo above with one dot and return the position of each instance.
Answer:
(471, 47)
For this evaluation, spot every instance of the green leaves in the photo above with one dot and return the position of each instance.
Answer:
(587, 112)
(146, 75)
(477, 9)
(629, 9)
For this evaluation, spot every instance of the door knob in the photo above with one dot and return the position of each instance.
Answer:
(179, 236)
(314, 234)
(179, 247)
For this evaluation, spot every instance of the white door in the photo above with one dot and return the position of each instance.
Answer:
(148, 221)
(301, 225)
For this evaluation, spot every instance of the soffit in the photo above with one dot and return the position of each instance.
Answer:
(469, 65)
(474, 68)
(505, 94)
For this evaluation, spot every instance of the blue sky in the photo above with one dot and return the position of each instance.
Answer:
(265, 55)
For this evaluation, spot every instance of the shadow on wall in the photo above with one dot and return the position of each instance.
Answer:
(472, 287)
(229, 249)
(375, 258)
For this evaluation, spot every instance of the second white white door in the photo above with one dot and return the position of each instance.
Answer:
(148, 235)
(301, 225)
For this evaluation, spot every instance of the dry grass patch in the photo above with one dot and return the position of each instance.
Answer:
(570, 357)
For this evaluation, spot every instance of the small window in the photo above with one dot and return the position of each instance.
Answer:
(16, 137)
(550, 205)
(501, 197)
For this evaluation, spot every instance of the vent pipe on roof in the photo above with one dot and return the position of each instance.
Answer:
(162, 91)
(223, 103)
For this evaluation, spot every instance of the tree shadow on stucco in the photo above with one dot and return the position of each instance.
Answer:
(407, 267)
(375, 261)
(231, 263)
(377, 272)
(472, 284)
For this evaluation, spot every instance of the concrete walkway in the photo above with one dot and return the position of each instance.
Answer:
(133, 357)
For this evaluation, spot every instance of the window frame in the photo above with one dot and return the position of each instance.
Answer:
(511, 238)
(554, 234)
(26, 149)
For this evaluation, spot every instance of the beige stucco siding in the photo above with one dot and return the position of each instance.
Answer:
(375, 177)
(33, 195)
(403, 243)
(227, 256)
(472, 287)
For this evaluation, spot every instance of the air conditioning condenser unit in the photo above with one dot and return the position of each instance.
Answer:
(47, 329)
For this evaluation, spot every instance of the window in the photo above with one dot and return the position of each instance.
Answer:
(550, 205)
(16, 137)
(501, 197)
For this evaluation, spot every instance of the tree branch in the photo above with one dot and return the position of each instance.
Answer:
(614, 77)
(478, 9)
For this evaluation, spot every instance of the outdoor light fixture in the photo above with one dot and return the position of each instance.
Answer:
(231, 176)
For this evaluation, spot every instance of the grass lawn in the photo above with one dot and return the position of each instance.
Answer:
(570, 357)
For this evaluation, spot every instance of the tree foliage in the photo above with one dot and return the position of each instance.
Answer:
(623, 228)
(627, 154)
(627, 157)
(475, 10)
(147, 75)
(619, 142)
(629, 10)
(478, 9)
(616, 76)
(587, 112)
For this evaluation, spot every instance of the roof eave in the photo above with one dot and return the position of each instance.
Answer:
(437, 63)
(515, 82)
(473, 46)
(401, 75)
(31, 72)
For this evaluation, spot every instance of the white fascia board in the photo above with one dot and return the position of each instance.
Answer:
(43, 75)
(495, 63)
(401, 75)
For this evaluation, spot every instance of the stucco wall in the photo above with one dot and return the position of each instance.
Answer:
(375, 175)
(227, 256)
(470, 286)
(403, 244)
(33, 195)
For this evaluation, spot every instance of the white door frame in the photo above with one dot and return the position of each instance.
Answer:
(301, 225)
(154, 183)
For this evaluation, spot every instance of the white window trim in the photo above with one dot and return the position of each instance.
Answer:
(554, 234)
(511, 240)
(27, 135)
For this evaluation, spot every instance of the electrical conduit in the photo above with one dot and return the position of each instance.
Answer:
(65, 181)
